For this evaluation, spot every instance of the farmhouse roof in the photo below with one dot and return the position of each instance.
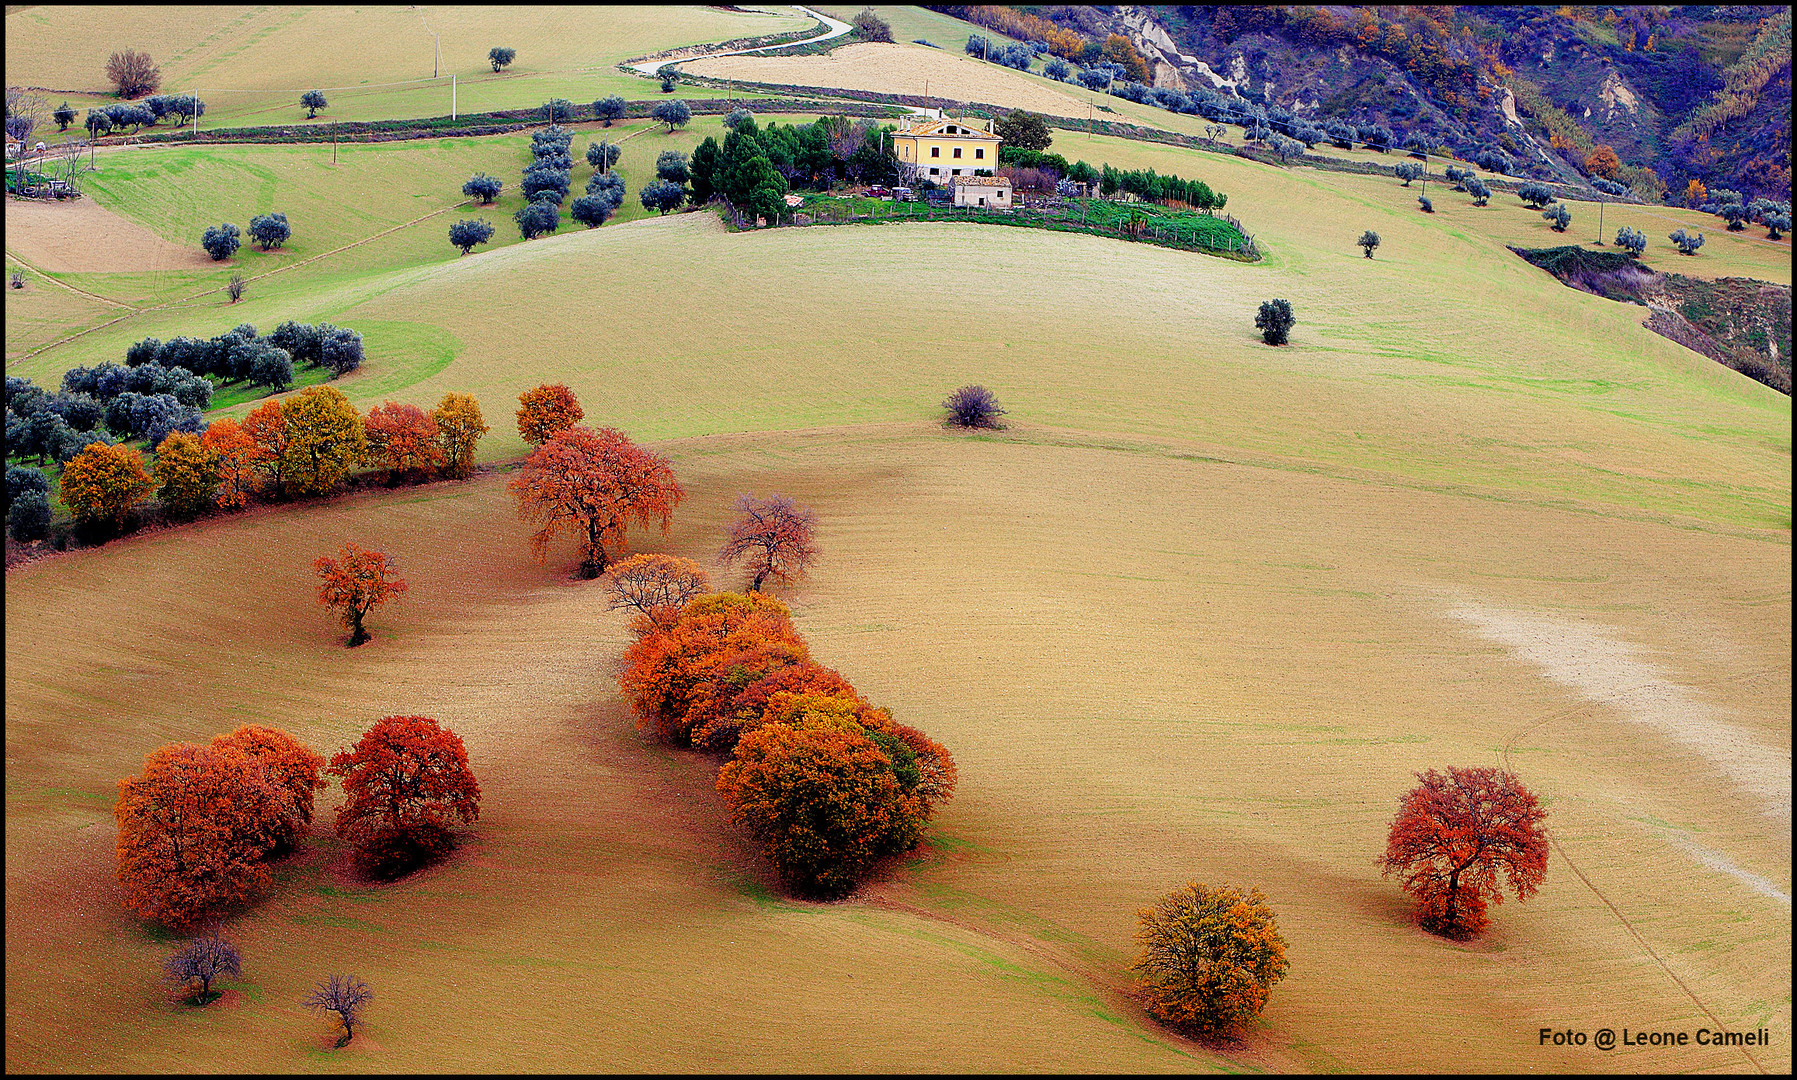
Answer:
(980, 181)
(963, 130)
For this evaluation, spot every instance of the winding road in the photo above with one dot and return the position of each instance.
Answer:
(836, 29)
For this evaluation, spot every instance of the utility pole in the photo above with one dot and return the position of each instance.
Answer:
(452, 97)
(436, 54)
(196, 115)
(333, 142)
(1600, 219)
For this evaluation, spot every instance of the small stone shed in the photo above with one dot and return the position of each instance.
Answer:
(993, 191)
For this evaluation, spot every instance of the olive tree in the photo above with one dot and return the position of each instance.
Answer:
(591, 210)
(270, 230)
(1633, 241)
(501, 57)
(538, 219)
(662, 195)
(1275, 321)
(609, 109)
(483, 187)
(675, 114)
(1535, 194)
(1407, 171)
(1559, 217)
(467, 233)
(1368, 240)
(312, 101)
(221, 241)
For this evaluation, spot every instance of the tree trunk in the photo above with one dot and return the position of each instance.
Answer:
(755, 586)
(1450, 918)
(357, 635)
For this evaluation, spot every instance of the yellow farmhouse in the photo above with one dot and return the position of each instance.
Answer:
(947, 147)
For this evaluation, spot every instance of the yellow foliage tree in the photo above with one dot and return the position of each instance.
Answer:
(187, 473)
(1210, 956)
(459, 428)
(325, 439)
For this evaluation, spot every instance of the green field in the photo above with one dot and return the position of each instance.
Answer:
(1199, 611)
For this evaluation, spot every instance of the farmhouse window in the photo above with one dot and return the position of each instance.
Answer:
(957, 151)
(935, 151)
(979, 151)
(935, 172)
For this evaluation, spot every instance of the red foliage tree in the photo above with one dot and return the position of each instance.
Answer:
(773, 535)
(193, 828)
(1453, 835)
(291, 768)
(266, 425)
(402, 439)
(656, 587)
(679, 678)
(406, 778)
(594, 484)
(548, 409)
(354, 584)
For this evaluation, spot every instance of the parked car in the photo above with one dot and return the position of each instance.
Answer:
(904, 194)
(877, 192)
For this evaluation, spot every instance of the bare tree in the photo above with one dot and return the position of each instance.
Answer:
(25, 113)
(134, 73)
(655, 586)
(344, 995)
(774, 534)
(203, 959)
(235, 289)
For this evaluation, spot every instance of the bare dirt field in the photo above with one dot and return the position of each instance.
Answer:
(897, 69)
(81, 236)
(1152, 665)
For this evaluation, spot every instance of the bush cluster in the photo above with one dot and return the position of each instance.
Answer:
(829, 783)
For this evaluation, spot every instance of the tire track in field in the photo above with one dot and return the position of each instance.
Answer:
(1510, 744)
(221, 288)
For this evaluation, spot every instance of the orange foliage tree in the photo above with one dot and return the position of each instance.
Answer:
(1603, 162)
(1453, 836)
(823, 796)
(459, 428)
(656, 587)
(266, 426)
(546, 410)
(405, 780)
(774, 537)
(354, 584)
(239, 459)
(679, 678)
(402, 439)
(104, 484)
(593, 484)
(186, 474)
(292, 770)
(747, 709)
(1210, 956)
(193, 828)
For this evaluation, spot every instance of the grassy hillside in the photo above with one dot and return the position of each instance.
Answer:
(249, 64)
(1199, 612)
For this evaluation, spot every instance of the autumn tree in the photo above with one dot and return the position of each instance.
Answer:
(1453, 835)
(187, 474)
(325, 438)
(104, 484)
(656, 587)
(774, 536)
(594, 484)
(345, 995)
(192, 833)
(1602, 162)
(266, 427)
(459, 428)
(1209, 956)
(678, 678)
(402, 439)
(291, 769)
(356, 583)
(822, 796)
(546, 410)
(723, 726)
(133, 73)
(203, 960)
(238, 458)
(405, 780)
